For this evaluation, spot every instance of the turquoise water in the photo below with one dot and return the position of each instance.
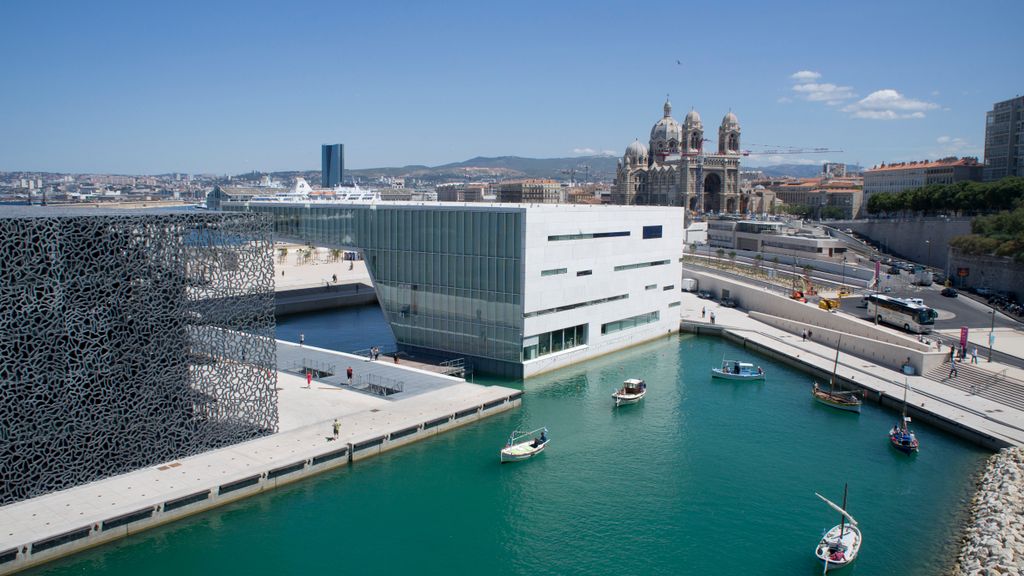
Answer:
(702, 477)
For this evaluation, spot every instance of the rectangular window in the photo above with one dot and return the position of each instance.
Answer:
(553, 271)
(586, 236)
(584, 272)
(673, 304)
(641, 265)
(650, 287)
(669, 287)
(652, 232)
(554, 341)
(631, 322)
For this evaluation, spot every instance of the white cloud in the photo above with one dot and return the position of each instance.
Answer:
(824, 92)
(888, 104)
(953, 146)
(805, 76)
(593, 152)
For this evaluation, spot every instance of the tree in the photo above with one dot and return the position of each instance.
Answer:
(720, 253)
(693, 247)
(758, 260)
(732, 257)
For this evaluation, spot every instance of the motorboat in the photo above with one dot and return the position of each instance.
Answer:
(838, 399)
(524, 445)
(736, 370)
(632, 391)
(840, 545)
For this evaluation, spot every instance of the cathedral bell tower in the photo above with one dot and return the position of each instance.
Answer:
(729, 135)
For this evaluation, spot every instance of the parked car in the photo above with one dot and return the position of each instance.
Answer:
(705, 295)
(728, 303)
(948, 292)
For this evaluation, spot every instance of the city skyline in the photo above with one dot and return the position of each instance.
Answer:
(125, 88)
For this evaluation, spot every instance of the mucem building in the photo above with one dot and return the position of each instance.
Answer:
(129, 338)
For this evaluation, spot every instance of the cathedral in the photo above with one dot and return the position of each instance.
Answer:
(674, 169)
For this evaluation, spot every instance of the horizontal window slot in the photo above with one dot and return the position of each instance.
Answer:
(554, 271)
(669, 287)
(586, 236)
(574, 306)
(60, 540)
(245, 483)
(127, 518)
(515, 396)
(185, 501)
(330, 456)
(8, 556)
(641, 265)
(673, 304)
(464, 413)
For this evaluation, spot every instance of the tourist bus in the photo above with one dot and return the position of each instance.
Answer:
(910, 316)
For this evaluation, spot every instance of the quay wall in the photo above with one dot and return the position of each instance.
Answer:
(870, 393)
(323, 298)
(905, 238)
(882, 345)
(165, 510)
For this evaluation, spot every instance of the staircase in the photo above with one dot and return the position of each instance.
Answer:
(995, 386)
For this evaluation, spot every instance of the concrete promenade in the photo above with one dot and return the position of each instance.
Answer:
(965, 412)
(58, 524)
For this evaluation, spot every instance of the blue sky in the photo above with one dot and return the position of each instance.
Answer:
(228, 87)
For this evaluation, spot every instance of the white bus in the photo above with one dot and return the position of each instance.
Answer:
(910, 316)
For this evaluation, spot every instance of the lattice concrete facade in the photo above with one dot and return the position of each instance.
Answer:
(129, 338)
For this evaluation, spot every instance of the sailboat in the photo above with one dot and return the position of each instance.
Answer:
(901, 437)
(840, 545)
(837, 399)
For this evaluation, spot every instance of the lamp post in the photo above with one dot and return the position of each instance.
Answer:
(991, 333)
(928, 243)
(842, 287)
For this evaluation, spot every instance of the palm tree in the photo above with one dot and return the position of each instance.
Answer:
(335, 254)
(720, 253)
(758, 260)
(732, 257)
(282, 255)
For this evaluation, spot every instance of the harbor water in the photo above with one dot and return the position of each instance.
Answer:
(702, 477)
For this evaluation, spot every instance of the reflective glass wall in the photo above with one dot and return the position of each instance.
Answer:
(448, 277)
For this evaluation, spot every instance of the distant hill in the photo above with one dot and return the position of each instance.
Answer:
(797, 170)
(596, 168)
(501, 167)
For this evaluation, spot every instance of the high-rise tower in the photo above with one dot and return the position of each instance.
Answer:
(332, 165)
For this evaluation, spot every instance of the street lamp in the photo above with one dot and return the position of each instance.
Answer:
(991, 333)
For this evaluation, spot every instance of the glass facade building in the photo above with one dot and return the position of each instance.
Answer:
(332, 165)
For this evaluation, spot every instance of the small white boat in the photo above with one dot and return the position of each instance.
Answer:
(632, 391)
(840, 545)
(736, 370)
(517, 448)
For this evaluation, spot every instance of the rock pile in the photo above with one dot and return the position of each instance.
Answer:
(994, 540)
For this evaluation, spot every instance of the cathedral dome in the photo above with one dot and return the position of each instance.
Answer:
(692, 119)
(636, 152)
(730, 120)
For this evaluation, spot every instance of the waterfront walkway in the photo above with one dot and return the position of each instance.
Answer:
(373, 419)
(983, 402)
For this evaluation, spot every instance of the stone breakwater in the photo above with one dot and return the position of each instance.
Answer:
(994, 540)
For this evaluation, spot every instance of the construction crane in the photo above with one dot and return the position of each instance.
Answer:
(572, 172)
(789, 150)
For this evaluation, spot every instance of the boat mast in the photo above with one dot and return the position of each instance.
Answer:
(835, 366)
(842, 517)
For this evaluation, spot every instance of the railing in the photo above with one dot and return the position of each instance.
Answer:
(381, 385)
(318, 368)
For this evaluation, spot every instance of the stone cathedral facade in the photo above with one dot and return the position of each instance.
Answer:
(667, 171)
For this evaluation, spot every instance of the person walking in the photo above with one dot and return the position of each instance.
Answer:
(974, 355)
(712, 317)
(302, 338)
(309, 378)
(349, 374)
(952, 362)
(702, 311)
(803, 335)
(395, 355)
(337, 428)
